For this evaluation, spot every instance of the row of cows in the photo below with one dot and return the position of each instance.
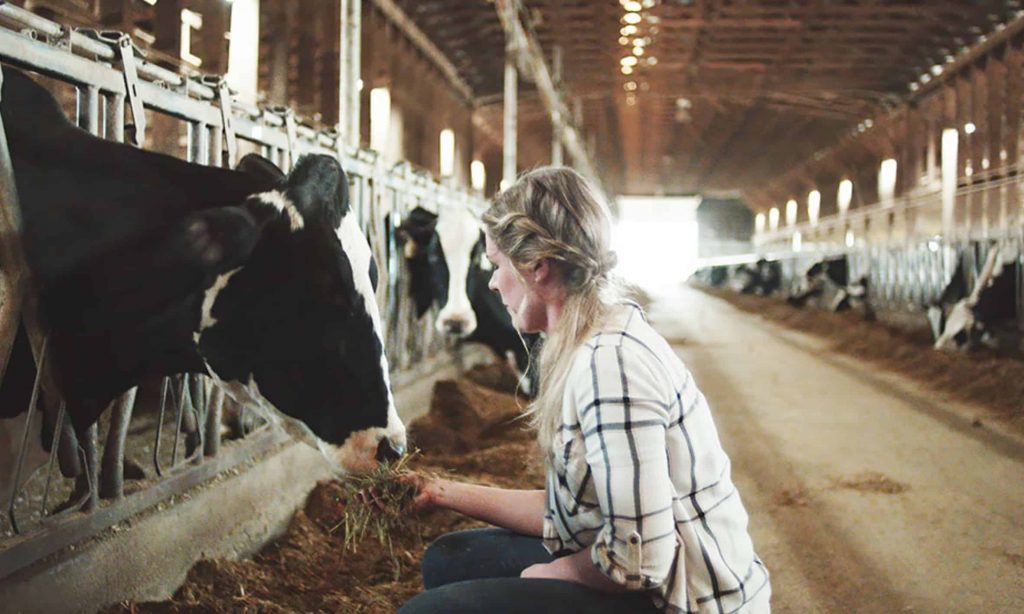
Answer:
(146, 266)
(964, 315)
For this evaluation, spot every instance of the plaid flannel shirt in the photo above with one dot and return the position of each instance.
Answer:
(639, 476)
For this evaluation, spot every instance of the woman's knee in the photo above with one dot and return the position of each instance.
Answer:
(442, 562)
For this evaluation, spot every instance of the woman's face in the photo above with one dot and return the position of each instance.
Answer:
(519, 296)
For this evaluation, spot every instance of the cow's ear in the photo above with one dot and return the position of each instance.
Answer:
(220, 239)
(319, 188)
(258, 166)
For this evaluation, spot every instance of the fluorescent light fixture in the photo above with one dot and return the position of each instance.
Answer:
(844, 195)
(447, 152)
(791, 209)
(813, 206)
(477, 175)
(380, 118)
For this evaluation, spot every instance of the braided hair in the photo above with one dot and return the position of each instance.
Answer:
(553, 214)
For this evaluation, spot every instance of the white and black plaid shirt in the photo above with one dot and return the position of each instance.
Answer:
(640, 477)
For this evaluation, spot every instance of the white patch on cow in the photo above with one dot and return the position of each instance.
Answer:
(279, 201)
(458, 229)
(961, 318)
(209, 298)
(353, 241)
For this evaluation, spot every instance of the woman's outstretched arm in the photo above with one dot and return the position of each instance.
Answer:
(521, 511)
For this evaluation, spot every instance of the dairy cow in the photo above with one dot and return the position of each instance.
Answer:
(147, 265)
(829, 280)
(445, 258)
(963, 317)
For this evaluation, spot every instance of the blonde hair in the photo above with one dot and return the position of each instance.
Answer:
(552, 213)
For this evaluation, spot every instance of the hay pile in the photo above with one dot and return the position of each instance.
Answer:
(469, 432)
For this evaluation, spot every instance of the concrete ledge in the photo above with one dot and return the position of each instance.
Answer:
(232, 516)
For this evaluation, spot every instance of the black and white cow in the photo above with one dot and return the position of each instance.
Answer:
(147, 265)
(445, 256)
(961, 318)
(763, 278)
(829, 280)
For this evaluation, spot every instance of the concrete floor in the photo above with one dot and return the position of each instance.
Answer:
(822, 446)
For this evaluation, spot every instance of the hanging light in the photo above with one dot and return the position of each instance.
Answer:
(629, 60)
(629, 86)
(632, 6)
(628, 30)
(623, 40)
(627, 70)
(631, 18)
(638, 51)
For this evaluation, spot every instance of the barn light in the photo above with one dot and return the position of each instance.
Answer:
(648, 3)
(638, 51)
(631, 99)
(984, 163)
(477, 175)
(759, 223)
(627, 30)
(652, 60)
(936, 69)
(632, 6)
(639, 42)
(791, 212)
(627, 70)
(933, 244)
(632, 18)
(969, 128)
(629, 60)
(683, 103)
(1003, 155)
(844, 195)
(813, 206)
(849, 237)
(447, 141)
(887, 181)
(623, 40)
(773, 218)
(380, 118)
(629, 86)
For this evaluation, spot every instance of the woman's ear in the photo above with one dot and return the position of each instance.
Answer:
(542, 271)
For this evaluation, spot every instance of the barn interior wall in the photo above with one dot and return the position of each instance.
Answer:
(979, 96)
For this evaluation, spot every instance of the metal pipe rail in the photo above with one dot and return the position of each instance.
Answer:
(216, 124)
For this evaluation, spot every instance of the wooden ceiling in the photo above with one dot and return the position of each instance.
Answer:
(742, 90)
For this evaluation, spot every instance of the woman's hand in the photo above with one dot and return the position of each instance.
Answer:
(428, 490)
(547, 571)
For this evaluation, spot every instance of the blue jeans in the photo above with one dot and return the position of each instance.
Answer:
(477, 571)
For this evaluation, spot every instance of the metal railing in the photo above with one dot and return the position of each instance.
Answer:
(112, 80)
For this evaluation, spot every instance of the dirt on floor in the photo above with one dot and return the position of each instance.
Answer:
(981, 376)
(472, 431)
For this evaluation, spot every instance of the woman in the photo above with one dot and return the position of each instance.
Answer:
(639, 513)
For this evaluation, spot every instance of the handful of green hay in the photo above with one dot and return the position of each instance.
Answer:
(376, 503)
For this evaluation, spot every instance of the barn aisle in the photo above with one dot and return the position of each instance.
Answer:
(866, 493)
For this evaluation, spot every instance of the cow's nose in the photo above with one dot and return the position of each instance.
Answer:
(387, 451)
(455, 326)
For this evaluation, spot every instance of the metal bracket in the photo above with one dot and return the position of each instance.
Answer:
(131, 86)
(287, 115)
(62, 40)
(127, 52)
(224, 96)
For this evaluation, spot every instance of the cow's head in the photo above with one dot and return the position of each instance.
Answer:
(297, 314)
(440, 253)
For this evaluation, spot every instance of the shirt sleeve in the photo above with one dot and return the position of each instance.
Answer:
(624, 416)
